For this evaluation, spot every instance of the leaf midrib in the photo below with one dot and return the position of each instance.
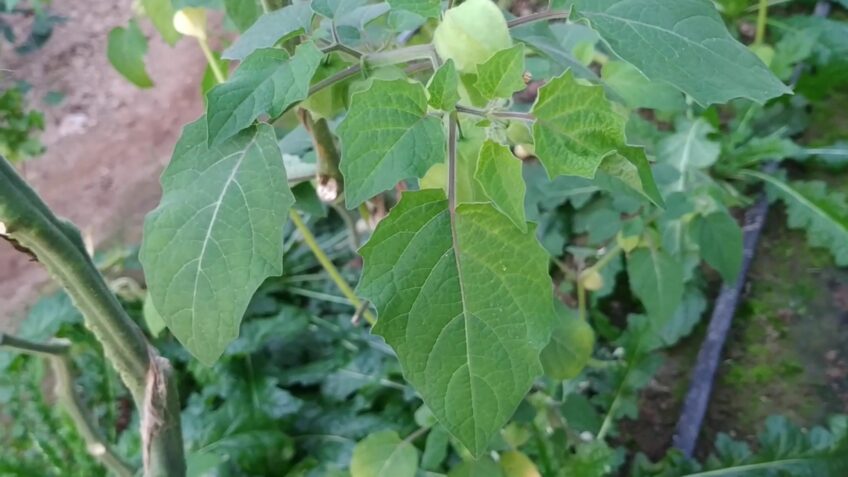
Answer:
(230, 180)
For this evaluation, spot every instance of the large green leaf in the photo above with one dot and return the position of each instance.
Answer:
(271, 28)
(387, 136)
(684, 43)
(720, 239)
(126, 50)
(809, 205)
(657, 280)
(384, 454)
(467, 307)
(499, 174)
(425, 8)
(503, 74)
(216, 235)
(267, 82)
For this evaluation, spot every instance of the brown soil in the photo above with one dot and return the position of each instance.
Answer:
(107, 141)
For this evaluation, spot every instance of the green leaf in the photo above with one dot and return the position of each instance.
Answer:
(467, 308)
(335, 8)
(267, 82)
(657, 280)
(155, 324)
(630, 167)
(577, 131)
(576, 127)
(435, 448)
(126, 50)
(773, 147)
(243, 13)
(638, 91)
(470, 33)
(384, 454)
(444, 87)
(387, 137)
(161, 14)
(483, 467)
(499, 174)
(688, 315)
(688, 150)
(271, 28)
(425, 8)
(784, 449)
(684, 43)
(720, 240)
(809, 205)
(571, 345)
(502, 74)
(216, 235)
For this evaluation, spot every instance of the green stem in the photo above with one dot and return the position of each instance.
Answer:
(605, 260)
(401, 55)
(59, 247)
(56, 354)
(415, 435)
(329, 266)
(326, 151)
(541, 444)
(44, 350)
(581, 300)
(537, 17)
(265, 6)
(210, 58)
(762, 19)
(496, 114)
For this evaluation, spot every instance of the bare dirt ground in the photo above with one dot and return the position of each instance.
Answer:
(107, 141)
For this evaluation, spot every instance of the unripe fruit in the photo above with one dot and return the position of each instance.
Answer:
(592, 280)
(517, 464)
(470, 33)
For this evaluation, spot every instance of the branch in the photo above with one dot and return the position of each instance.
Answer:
(59, 247)
(495, 114)
(537, 17)
(452, 145)
(330, 183)
(56, 353)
